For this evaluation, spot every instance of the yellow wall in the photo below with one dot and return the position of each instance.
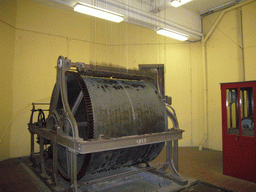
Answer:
(224, 60)
(39, 34)
(7, 46)
(133, 45)
(42, 34)
(33, 36)
(249, 20)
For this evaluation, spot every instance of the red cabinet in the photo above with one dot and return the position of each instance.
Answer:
(239, 144)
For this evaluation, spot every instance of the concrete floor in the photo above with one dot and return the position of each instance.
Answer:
(205, 165)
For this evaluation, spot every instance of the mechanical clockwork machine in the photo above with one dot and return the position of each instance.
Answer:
(104, 126)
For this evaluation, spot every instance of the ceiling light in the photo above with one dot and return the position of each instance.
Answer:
(177, 3)
(172, 34)
(98, 12)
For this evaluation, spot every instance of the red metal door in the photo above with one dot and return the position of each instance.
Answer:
(239, 144)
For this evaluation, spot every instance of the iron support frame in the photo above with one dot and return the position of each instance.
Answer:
(76, 145)
(92, 146)
(79, 146)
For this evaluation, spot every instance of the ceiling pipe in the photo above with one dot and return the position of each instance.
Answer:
(207, 36)
(204, 57)
(222, 7)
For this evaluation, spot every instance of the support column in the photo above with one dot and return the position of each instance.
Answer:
(73, 184)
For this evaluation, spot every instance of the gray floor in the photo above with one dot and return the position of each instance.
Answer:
(206, 165)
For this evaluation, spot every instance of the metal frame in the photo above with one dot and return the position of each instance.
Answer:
(76, 145)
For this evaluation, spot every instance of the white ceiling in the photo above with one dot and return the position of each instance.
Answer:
(198, 6)
(155, 14)
(207, 6)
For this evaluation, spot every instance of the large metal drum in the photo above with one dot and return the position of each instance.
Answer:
(109, 108)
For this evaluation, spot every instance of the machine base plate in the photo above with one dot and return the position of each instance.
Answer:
(139, 181)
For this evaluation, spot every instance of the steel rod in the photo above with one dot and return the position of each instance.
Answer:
(40, 103)
(77, 103)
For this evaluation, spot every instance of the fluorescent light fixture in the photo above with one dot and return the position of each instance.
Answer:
(172, 34)
(98, 12)
(177, 3)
